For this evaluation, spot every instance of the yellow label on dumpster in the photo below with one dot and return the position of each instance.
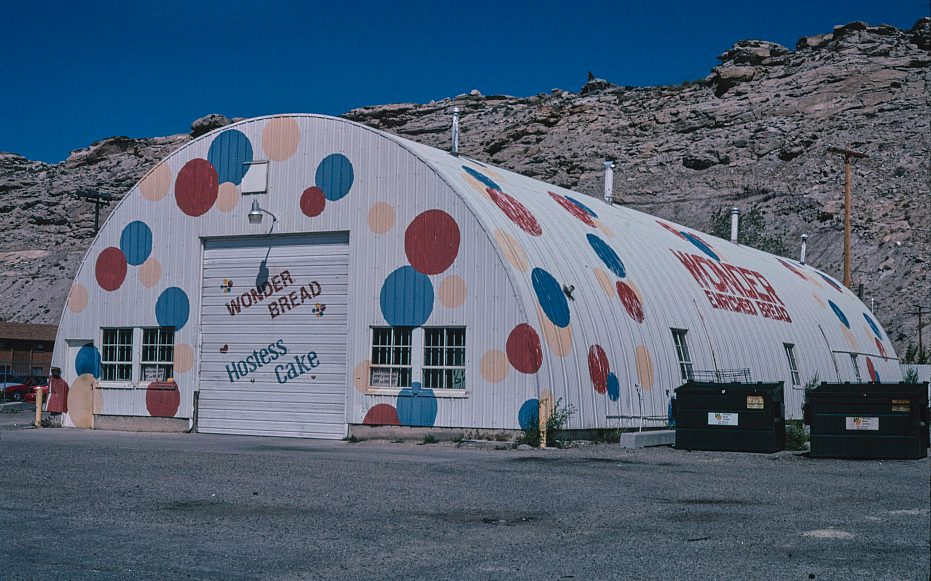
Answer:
(754, 402)
(901, 405)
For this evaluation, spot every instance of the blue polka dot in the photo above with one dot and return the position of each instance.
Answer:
(87, 361)
(873, 326)
(840, 314)
(529, 414)
(172, 308)
(551, 297)
(831, 282)
(614, 387)
(583, 206)
(487, 181)
(229, 153)
(700, 245)
(607, 255)
(417, 408)
(334, 176)
(136, 242)
(406, 298)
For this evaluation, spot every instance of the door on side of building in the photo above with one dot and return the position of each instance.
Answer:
(274, 336)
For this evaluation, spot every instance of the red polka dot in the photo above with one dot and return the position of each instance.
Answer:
(671, 229)
(598, 368)
(523, 349)
(162, 399)
(871, 369)
(313, 201)
(431, 242)
(196, 187)
(573, 209)
(630, 301)
(880, 346)
(517, 212)
(110, 268)
(382, 415)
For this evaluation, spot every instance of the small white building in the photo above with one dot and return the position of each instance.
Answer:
(390, 283)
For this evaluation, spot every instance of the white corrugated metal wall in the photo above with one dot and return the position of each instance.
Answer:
(519, 242)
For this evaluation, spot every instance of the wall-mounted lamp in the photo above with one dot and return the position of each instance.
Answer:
(255, 214)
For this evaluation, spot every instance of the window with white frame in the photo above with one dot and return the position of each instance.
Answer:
(156, 362)
(682, 352)
(793, 363)
(391, 357)
(116, 355)
(444, 358)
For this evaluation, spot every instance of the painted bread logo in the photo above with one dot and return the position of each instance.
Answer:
(284, 372)
(735, 288)
(280, 304)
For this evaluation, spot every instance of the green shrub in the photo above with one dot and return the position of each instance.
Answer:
(796, 437)
(555, 424)
(911, 375)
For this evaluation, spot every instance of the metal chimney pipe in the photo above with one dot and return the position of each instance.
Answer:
(735, 222)
(801, 257)
(455, 150)
(609, 181)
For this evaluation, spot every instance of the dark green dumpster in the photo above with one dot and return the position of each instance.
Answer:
(737, 417)
(868, 420)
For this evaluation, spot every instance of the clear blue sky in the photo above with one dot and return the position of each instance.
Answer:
(75, 72)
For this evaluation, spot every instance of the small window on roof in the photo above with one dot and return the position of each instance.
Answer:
(256, 179)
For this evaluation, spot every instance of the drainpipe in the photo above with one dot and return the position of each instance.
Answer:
(455, 150)
(735, 222)
(609, 181)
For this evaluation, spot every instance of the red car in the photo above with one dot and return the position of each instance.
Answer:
(26, 391)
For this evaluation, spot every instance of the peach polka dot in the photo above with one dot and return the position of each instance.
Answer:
(77, 298)
(150, 272)
(81, 401)
(280, 138)
(184, 358)
(604, 281)
(512, 250)
(608, 232)
(227, 197)
(851, 340)
(820, 301)
(360, 375)
(452, 291)
(494, 366)
(644, 368)
(636, 290)
(381, 217)
(154, 186)
(558, 339)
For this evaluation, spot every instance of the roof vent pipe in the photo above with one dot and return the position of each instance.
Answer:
(801, 257)
(735, 222)
(609, 181)
(455, 150)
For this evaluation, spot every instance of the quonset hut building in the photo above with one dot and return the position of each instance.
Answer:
(391, 283)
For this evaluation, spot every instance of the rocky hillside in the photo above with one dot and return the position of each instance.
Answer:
(755, 133)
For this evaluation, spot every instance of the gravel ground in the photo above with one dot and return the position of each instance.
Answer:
(80, 504)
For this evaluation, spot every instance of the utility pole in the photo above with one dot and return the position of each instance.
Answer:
(849, 155)
(98, 200)
(920, 310)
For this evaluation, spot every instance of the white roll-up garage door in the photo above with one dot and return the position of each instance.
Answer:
(273, 345)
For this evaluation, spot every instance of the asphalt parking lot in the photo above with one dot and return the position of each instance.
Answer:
(82, 504)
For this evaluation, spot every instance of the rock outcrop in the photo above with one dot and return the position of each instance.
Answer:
(754, 133)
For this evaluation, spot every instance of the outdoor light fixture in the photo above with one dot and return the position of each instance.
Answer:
(255, 214)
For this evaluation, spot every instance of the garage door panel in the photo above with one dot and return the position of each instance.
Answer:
(273, 352)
